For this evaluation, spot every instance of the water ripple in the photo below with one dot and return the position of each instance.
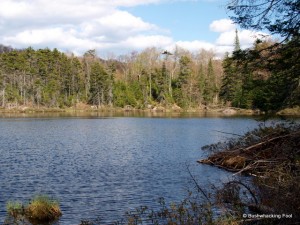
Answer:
(101, 168)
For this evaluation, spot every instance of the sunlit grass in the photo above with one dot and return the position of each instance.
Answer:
(41, 209)
(15, 209)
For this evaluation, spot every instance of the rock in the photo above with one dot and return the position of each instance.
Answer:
(229, 111)
(128, 108)
(94, 107)
(149, 106)
(176, 108)
(159, 109)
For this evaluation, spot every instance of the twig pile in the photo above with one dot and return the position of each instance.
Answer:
(260, 151)
(272, 155)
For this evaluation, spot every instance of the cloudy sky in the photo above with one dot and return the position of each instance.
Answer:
(119, 26)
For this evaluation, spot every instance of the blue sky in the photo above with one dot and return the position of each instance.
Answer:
(119, 26)
(186, 20)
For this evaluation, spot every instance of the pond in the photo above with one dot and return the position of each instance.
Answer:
(100, 167)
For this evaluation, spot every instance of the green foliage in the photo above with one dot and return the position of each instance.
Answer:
(184, 72)
(50, 78)
(98, 84)
(179, 98)
(268, 74)
(267, 79)
(120, 99)
(181, 84)
(127, 94)
(14, 208)
(210, 88)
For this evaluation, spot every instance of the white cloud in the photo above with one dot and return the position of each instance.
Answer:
(79, 25)
(11, 9)
(246, 38)
(55, 37)
(227, 29)
(195, 45)
(141, 42)
(123, 22)
(222, 25)
(132, 2)
(75, 24)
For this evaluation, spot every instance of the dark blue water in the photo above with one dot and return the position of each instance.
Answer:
(102, 167)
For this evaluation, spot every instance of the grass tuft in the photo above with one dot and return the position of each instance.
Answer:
(14, 208)
(41, 209)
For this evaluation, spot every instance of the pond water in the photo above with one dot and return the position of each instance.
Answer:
(103, 166)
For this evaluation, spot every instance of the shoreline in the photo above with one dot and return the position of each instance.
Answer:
(221, 111)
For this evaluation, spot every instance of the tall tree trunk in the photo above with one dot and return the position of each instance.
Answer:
(102, 96)
(3, 97)
(110, 95)
(150, 86)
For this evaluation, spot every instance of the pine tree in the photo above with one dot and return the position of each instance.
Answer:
(237, 46)
(210, 88)
(99, 84)
(181, 88)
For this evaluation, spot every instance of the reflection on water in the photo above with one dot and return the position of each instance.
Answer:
(92, 114)
(103, 167)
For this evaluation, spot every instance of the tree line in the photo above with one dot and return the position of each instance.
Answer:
(265, 76)
(51, 78)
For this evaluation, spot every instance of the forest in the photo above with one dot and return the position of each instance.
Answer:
(264, 77)
(52, 78)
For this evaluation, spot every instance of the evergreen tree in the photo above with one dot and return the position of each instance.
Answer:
(230, 86)
(280, 60)
(210, 88)
(184, 71)
(181, 88)
(237, 46)
(232, 83)
(98, 88)
(201, 84)
(161, 83)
